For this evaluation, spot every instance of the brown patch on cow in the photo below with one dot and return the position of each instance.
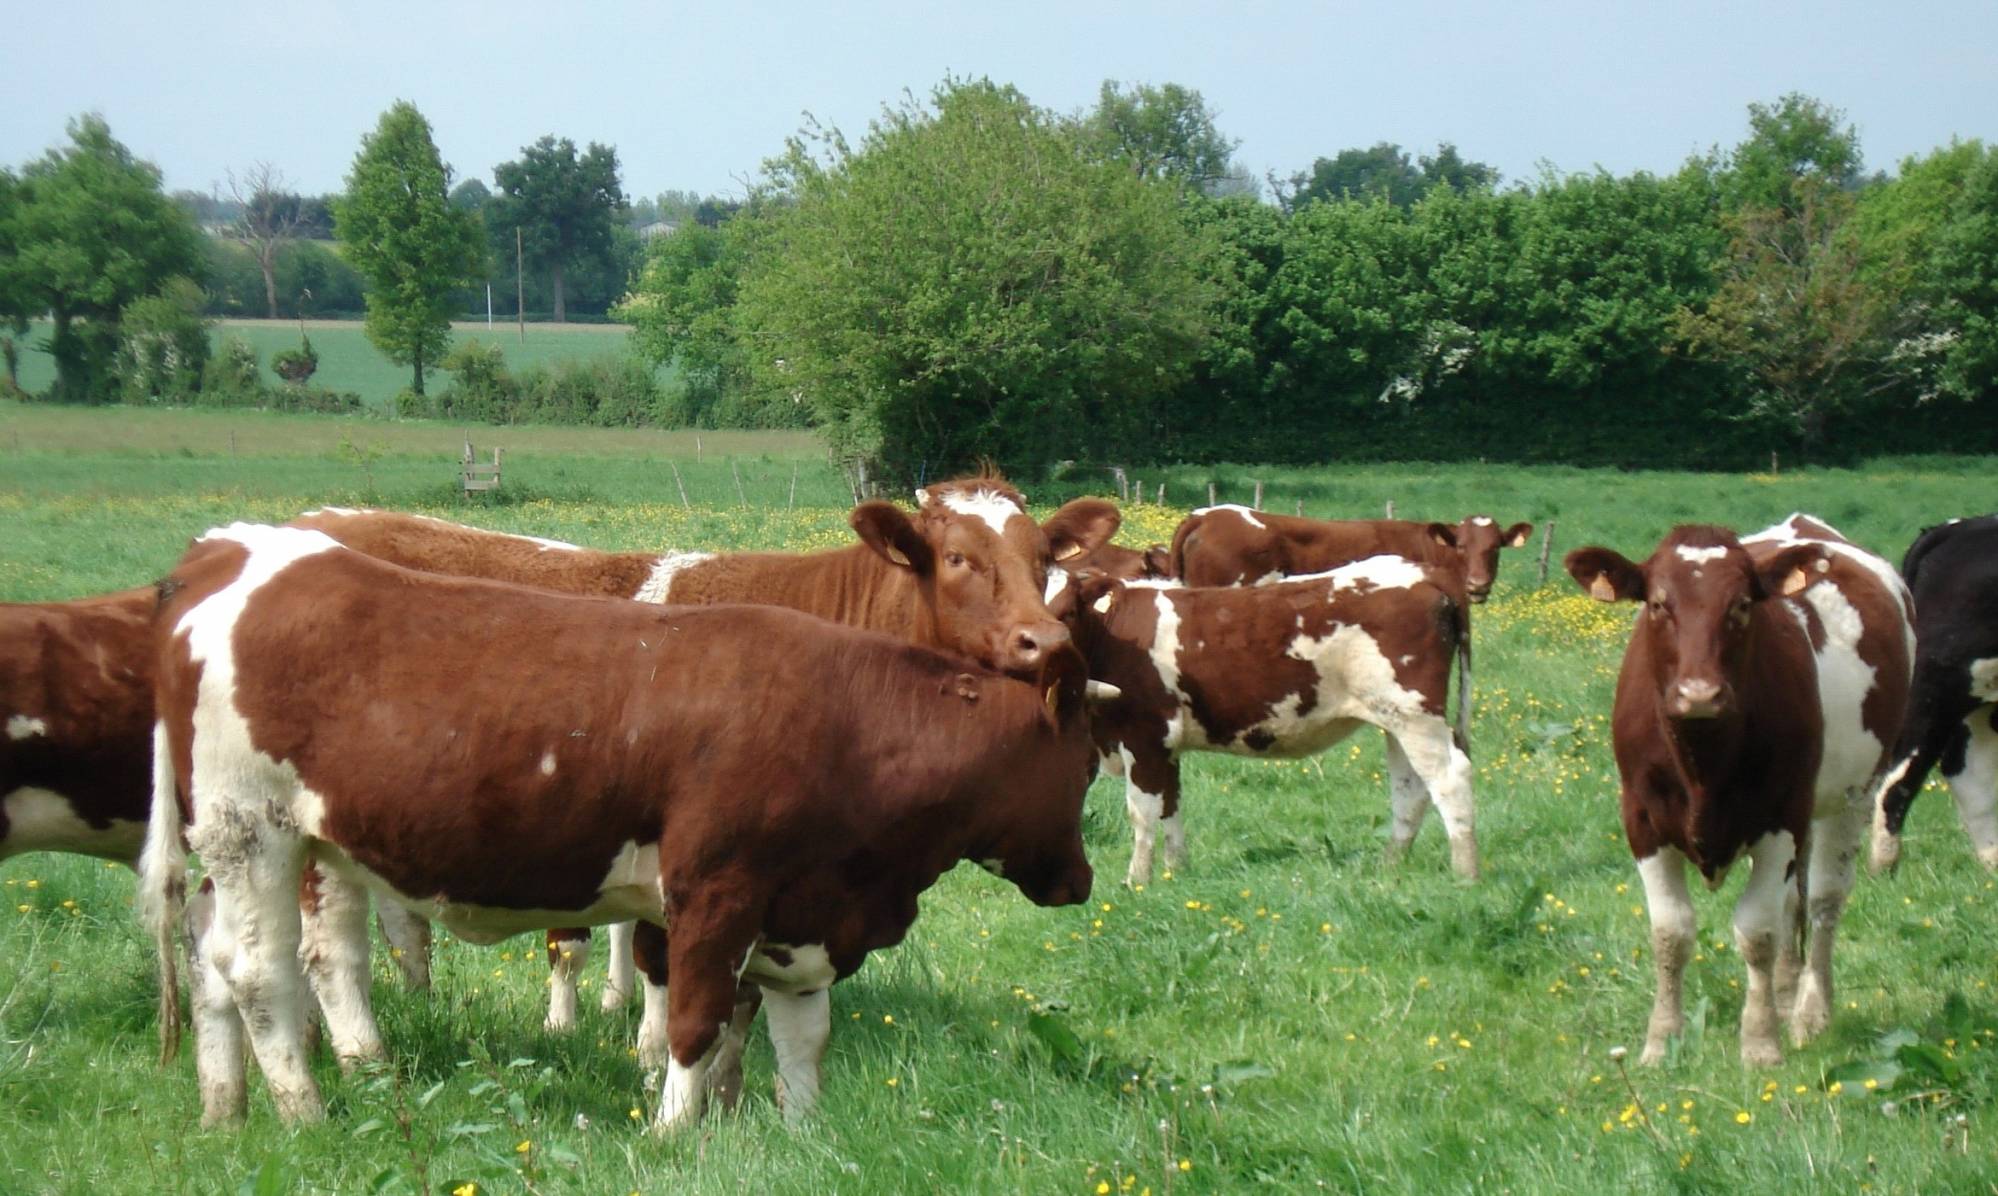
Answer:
(1221, 547)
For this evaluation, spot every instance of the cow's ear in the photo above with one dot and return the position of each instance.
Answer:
(1518, 534)
(1097, 590)
(1158, 561)
(883, 527)
(1606, 574)
(1791, 571)
(1081, 527)
(1442, 533)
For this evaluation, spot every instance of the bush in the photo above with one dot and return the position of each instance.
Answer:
(162, 346)
(232, 377)
(296, 365)
(620, 393)
(317, 399)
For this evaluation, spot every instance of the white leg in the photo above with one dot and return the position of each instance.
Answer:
(684, 1094)
(335, 954)
(1835, 838)
(567, 958)
(652, 1050)
(1672, 930)
(408, 938)
(1408, 799)
(1428, 749)
(219, 1062)
(254, 944)
(725, 1073)
(799, 1026)
(1759, 923)
(618, 984)
(1976, 787)
(1145, 810)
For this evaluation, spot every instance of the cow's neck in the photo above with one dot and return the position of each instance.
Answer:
(853, 586)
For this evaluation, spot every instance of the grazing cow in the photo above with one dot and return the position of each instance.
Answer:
(1953, 711)
(966, 575)
(779, 789)
(1762, 684)
(1279, 670)
(1231, 545)
(76, 698)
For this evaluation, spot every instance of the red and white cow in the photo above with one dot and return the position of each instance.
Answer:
(777, 788)
(966, 574)
(1232, 545)
(1952, 569)
(1281, 670)
(1763, 683)
(76, 701)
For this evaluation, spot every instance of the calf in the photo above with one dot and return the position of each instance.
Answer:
(76, 701)
(779, 789)
(1279, 670)
(966, 575)
(1231, 545)
(1953, 711)
(1760, 688)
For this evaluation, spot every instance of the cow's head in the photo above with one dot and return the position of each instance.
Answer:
(1124, 564)
(982, 566)
(1479, 539)
(1031, 831)
(1700, 592)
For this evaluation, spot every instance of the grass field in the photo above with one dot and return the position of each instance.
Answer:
(347, 361)
(1286, 1014)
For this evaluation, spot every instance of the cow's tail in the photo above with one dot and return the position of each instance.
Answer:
(1180, 535)
(1456, 618)
(163, 888)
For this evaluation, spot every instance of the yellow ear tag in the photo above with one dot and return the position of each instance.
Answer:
(1601, 590)
(1102, 605)
(895, 554)
(1069, 553)
(1795, 583)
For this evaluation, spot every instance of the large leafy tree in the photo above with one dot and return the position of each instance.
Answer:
(1385, 171)
(15, 306)
(973, 280)
(564, 203)
(1795, 140)
(1162, 132)
(400, 231)
(93, 231)
(1965, 283)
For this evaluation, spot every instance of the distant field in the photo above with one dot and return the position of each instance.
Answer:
(347, 361)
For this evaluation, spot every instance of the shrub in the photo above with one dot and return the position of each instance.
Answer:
(162, 345)
(296, 365)
(232, 377)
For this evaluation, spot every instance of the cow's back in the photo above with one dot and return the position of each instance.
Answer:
(437, 546)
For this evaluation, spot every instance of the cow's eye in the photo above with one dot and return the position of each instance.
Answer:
(954, 559)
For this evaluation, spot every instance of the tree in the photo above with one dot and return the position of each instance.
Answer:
(1162, 133)
(268, 221)
(1794, 139)
(1965, 283)
(400, 231)
(471, 196)
(682, 309)
(973, 281)
(1384, 171)
(94, 232)
(15, 306)
(563, 203)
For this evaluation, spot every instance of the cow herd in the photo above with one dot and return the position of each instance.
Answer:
(751, 765)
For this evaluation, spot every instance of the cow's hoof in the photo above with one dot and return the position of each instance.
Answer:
(1464, 858)
(1886, 853)
(1761, 1052)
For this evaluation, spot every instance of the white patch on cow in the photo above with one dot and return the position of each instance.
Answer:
(658, 585)
(1057, 582)
(989, 505)
(1248, 516)
(1976, 786)
(810, 968)
(1384, 572)
(43, 820)
(1699, 556)
(799, 1026)
(548, 764)
(685, 1091)
(341, 511)
(1355, 684)
(1786, 533)
(1271, 578)
(544, 544)
(1983, 681)
(1851, 752)
(1165, 649)
(22, 727)
(1481, 521)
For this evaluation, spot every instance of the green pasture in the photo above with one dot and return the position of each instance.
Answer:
(348, 361)
(1285, 1014)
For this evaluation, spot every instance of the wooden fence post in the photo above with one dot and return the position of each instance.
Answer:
(17, 447)
(792, 502)
(1257, 504)
(1123, 483)
(1390, 508)
(1210, 495)
(682, 485)
(1546, 549)
(739, 495)
(1300, 508)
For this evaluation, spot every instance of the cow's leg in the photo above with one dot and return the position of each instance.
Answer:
(1976, 785)
(335, 954)
(1834, 848)
(253, 943)
(648, 951)
(1428, 749)
(408, 938)
(1672, 930)
(568, 952)
(1759, 924)
(713, 930)
(725, 1072)
(620, 979)
(799, 1026)
(1932, 733)
(219, 1062)
(1408, 799)
(1151, 796)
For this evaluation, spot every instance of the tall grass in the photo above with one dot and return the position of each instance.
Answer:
(1287, 1013)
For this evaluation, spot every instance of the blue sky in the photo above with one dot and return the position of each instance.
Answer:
(694, 97)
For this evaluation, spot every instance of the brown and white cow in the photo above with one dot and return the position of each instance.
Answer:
(1232, 545)
(777, 788)
(1280, 670)
(76, 701)
(1761, 688)
(967, 574)
(1952, 720)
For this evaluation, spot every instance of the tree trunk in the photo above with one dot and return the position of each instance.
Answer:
(267, 261)
(63, 352)
(416, 361)
(561, 309)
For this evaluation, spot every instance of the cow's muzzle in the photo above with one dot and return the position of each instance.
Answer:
(1698, 699)
(1029, 646)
